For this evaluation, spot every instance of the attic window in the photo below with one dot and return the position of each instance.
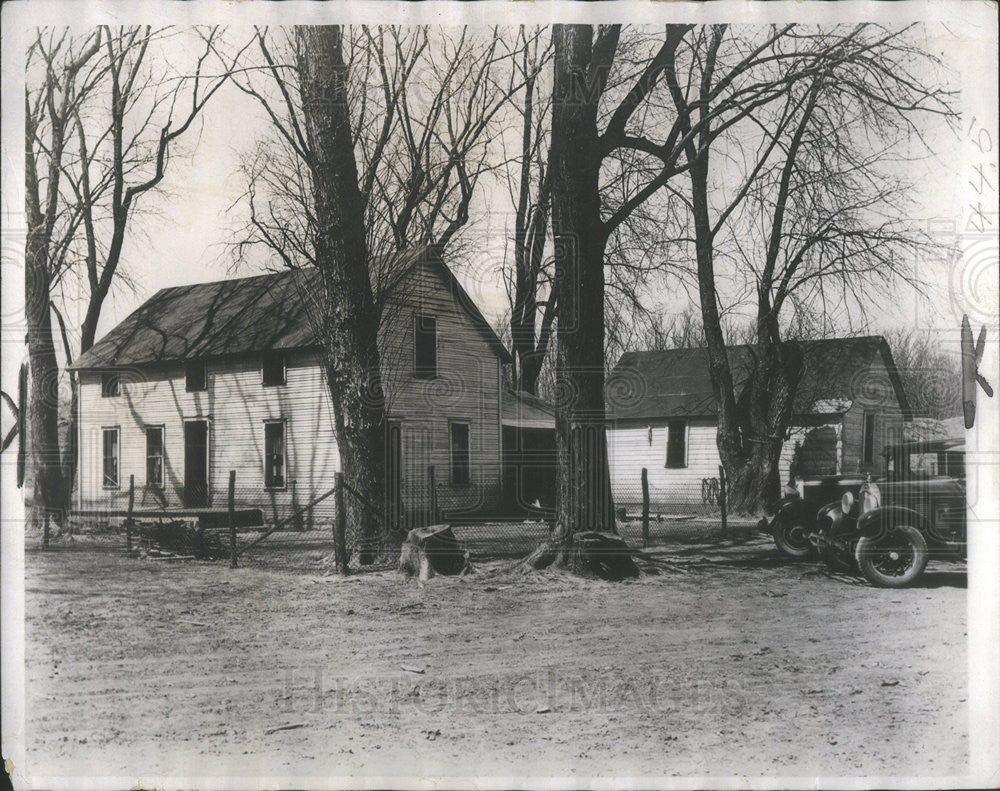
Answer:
(273, 369)
(195, 376)
(110, 384)
(424, 346)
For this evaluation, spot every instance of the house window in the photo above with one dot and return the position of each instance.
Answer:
(273, 369)
(154, 456)
(274, 455)
(424, 346)
(110, 384)
(111, 453)
(459, 443)
(195, 376)
(868, 439)
(676, 444)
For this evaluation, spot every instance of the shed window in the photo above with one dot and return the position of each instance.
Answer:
(273, 369)
(154, 456)
(274, 455)
(424, 346)
(110, 384)
(195, 376)
(459, 443)
(111, 454)
(676, 444)
(868, 438)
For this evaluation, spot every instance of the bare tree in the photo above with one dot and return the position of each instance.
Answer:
(931, 377)
(423, 111)
(532, 315)
(804, 205)
(102, 118)
(68, 71)
(350, 320)
(126, 132)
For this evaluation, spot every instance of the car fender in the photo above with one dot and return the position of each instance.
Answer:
(792, 507)
(876, 521)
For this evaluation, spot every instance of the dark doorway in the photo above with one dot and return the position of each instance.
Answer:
(393, 473)
(196, 464)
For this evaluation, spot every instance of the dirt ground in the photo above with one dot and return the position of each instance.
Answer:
(729, 661)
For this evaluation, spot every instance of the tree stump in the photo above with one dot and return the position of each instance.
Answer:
(603, 555)
(432, 550)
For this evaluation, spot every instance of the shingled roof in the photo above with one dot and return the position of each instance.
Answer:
(237, 316)
(676, 382)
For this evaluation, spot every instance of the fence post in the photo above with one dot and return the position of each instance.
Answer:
(128, 519)
(723, 498)
(434, 495)
(340, 526)
(645, 508)
(232, 519)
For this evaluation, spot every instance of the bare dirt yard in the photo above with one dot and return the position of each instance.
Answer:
(729, 661)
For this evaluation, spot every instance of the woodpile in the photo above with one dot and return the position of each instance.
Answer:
(180, 539)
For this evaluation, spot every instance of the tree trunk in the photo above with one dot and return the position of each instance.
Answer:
(350, 319)
(584, 501)
(43, 391)
(751, 427)
(762, 415)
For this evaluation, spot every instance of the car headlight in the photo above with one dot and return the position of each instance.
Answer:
(847, 502)
(871, 498)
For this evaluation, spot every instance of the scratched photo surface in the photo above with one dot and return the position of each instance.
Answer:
(510, 395)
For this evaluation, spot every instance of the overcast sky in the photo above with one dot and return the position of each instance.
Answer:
(188, 241)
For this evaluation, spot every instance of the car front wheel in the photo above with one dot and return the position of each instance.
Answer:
(792, 538)
(894, 559)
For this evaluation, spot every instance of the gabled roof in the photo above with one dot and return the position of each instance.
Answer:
(524, 410)
(242, 315)
(676, 382)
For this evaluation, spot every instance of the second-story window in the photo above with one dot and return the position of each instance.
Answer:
(195, 376)
(273, 369)
(424, 346)
(111, 384)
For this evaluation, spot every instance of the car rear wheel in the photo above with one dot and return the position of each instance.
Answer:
(893, 559)
(792, 538)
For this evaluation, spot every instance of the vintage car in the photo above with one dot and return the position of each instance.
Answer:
(889, 528)
(792, 519)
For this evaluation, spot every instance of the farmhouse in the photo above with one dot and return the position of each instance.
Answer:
(663, 416)
(214, 377)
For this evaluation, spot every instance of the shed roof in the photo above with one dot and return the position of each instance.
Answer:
(524, 410)
(240, 315)
(676, 382)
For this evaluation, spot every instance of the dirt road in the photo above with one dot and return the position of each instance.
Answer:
(728, 662)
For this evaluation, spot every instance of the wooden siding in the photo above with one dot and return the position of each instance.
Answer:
(466, 389)
(632, 446)
(237, 405)
(873, 394)
(630, 450)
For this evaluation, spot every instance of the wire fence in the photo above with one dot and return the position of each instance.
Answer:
(299, 527)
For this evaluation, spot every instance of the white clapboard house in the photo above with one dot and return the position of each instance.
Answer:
(213, 377)
(662, 414)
